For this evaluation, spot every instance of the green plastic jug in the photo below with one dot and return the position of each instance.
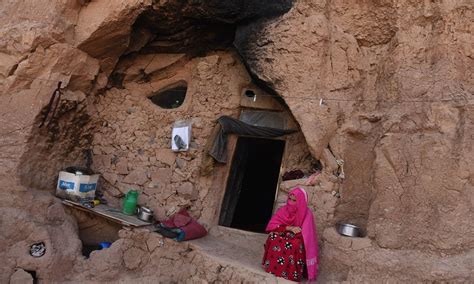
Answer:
(130, 202)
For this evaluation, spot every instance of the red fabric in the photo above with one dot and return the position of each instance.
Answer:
(182, 220)
(284, 255)
(298, 214)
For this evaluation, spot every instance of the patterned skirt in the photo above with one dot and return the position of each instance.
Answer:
(284, 255)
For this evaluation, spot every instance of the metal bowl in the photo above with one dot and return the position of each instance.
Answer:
(349, 230)
(145, 214)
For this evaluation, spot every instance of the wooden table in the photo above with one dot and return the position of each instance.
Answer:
(110, 213)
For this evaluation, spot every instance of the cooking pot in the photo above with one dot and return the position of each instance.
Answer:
(349, 230)
(145, 214)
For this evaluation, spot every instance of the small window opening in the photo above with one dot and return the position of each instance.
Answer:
(249, 94)
(170, 98)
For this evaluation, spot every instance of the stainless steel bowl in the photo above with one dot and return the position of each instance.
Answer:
(145, 214)
(349, 230)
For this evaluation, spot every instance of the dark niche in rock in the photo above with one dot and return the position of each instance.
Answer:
(193, 37)
(193, 28)
(170, 97)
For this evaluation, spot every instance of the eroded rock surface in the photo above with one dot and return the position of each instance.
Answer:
(397, 89)
(396, 83)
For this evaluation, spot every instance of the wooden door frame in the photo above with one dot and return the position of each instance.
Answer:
(232, 143)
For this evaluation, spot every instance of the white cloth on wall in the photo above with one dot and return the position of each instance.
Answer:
(181, 143)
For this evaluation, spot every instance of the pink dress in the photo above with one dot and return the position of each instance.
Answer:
(281, 244)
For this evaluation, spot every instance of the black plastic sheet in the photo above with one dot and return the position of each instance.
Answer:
(231, 125)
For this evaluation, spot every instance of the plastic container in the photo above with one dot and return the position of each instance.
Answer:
(76, 185)
(130, 202)
(104, 245)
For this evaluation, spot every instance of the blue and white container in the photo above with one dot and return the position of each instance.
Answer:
(76, 186)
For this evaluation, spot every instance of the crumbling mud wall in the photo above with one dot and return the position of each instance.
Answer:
(395, 79)
(132, 138)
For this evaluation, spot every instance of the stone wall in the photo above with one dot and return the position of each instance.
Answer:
(132, 138)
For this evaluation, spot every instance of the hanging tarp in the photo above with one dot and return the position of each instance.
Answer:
(264, 118)
(229, 125)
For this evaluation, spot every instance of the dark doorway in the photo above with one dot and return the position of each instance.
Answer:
(251, 186)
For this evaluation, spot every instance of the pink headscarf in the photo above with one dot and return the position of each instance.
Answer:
(298, 214)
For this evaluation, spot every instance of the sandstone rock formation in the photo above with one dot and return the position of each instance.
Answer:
(384, 87)
(397, 82)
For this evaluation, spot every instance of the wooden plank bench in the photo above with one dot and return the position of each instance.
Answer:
(109, 213)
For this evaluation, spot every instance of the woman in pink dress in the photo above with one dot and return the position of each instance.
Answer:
(291, 250)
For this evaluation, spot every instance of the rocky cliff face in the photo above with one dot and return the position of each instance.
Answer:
(385, 86)
(396, 83)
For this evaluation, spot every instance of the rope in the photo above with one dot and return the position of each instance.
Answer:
(320, 99)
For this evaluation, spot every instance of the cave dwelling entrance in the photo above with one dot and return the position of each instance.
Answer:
(252, 184)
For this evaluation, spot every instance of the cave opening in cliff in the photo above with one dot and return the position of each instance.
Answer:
(159, 33)
(166, 33)
(252, 183)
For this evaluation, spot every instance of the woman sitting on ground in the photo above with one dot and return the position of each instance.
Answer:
(292, 246)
